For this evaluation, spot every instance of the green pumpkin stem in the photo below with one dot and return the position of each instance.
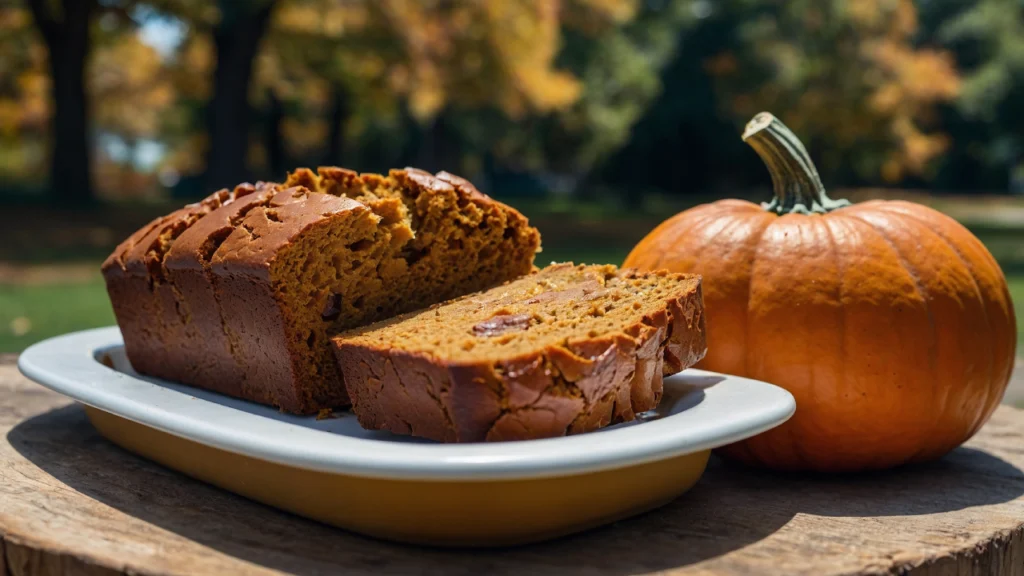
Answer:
(798, 187)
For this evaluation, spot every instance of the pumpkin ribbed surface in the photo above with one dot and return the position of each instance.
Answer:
(890, 323)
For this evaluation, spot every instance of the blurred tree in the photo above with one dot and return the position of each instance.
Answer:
(846, 76)
(236, 39)
(64, 26)
(416, 67)
(995, 28)
(683, 144)
(620, 64)
(214, 71)
(606, 56)
(184, 133)
(987, 37)
(309, 76)
(131, 95)
(237, 30)
(482, 66)
(24, 98)
(454, 79)
(99, 77)
(329, 68)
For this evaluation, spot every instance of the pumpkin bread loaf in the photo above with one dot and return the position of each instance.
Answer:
(565, 350)
(239, 292)
(145, 305)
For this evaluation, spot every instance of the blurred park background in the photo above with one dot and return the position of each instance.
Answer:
(597, 118)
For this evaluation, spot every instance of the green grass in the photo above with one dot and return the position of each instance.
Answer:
(30, 313)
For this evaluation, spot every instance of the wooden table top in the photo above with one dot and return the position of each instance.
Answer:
(70, 502)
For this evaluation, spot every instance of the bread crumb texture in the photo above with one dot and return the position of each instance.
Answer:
(565, 350)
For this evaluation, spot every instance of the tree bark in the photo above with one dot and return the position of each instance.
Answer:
(341, 111)
(236, 40)
(67, 41)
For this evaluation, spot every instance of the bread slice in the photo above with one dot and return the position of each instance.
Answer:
(566, 350)
(238, 293)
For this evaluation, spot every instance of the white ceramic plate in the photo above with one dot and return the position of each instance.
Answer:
(701, 410)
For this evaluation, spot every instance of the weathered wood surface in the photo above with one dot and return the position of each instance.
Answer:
(1015, 391)
(70, 502)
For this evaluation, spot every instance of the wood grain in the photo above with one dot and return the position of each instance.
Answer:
(72, 503)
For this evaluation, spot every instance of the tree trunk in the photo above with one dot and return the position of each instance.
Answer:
(67, 41)
(276, 161)
(413, 139)
(236, 40)
(341, 110)
(442, 148)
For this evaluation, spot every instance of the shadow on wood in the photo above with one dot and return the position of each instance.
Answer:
(964, 478)
(731, 508)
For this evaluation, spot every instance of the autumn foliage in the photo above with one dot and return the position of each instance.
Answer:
(246, 90)
(846, 75)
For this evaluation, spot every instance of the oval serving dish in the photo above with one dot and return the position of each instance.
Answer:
(401, 488)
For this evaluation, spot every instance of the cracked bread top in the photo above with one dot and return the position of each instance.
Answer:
(195, 247)
(253, 245)
(143, 253)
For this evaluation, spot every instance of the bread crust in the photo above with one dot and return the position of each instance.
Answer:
(581, 386)
(206, 356)
(195, 299)
(147, 306)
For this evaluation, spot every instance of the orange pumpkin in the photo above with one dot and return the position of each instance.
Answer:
(889, 322)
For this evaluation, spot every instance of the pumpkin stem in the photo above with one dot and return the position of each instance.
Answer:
(795, 180)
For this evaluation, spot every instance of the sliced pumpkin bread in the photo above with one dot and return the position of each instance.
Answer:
(568, 349)
(239, 292)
